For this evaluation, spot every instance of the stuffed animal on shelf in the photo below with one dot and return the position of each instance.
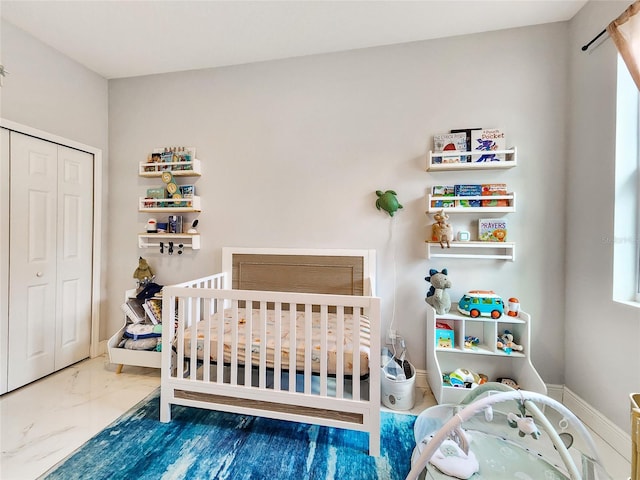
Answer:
(437, 296)
(441, 230)
(506, 343)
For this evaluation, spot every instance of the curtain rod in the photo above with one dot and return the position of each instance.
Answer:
(584, 47)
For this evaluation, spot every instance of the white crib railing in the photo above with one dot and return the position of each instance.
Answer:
(245, 378)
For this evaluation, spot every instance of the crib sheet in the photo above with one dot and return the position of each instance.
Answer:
(285, 335)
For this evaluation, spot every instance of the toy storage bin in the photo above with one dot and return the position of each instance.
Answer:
(635, 436)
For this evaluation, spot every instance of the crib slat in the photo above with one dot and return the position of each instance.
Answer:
(220, 342)
(206, 350)
(293, 346)
(179, 319)
(248, 350)
(277, 346)
(308, 332)
(235, 320)
(355, 376)
(323, 349)
(190, 313)
(340, 352)
(262, 374)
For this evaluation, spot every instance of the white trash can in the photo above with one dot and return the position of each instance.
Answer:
(398, 394)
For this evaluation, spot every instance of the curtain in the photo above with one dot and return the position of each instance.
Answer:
(625, 33)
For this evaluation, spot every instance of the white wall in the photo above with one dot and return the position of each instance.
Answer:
(602, 355)
(48, 91)
(294, 151)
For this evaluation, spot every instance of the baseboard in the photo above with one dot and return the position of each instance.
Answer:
(421, 379)
(102, 348)
(619, 440)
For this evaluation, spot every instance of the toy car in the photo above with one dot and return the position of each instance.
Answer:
(485, 303)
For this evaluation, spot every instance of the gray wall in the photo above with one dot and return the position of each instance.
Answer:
(601, 336)
(294, 151)
(50, 92)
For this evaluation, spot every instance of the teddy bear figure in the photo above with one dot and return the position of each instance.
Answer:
(441, 231)
(437, 296)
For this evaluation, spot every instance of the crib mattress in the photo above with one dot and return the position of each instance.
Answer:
(286, 336)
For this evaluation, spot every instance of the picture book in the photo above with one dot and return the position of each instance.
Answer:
(467, 132)
(443, 191)
(495, 189)
(468, 191)
(153, 307)
(448, 142)
(134, 310)
(492, 229)
(488, 140)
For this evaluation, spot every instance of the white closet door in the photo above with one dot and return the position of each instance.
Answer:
(74, 255)
(4, 256)
(32, 265)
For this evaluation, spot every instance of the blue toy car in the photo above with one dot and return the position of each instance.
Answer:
(481, 303)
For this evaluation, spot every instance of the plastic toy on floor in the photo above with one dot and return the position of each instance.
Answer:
(499, 433)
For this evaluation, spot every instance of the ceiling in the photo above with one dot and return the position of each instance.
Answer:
(117, 38)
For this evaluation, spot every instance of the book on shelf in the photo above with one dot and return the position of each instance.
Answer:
(467, 133)
(134, 310)
(449, 142)
(443, 191)
(492, 229)
(488, 140)
(494, 189)
(153, 308)
(468, 191)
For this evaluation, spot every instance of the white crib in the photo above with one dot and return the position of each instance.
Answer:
(291, 321)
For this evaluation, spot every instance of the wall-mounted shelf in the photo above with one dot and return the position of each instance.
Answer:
(152, 240)
(474, 249)
(510, 160)
(178, 169)
(511, 199)
(155, 205)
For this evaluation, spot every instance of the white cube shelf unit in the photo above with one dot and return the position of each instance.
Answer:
(510, 161)
(485, 358)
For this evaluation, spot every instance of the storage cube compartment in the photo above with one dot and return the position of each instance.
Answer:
(445, 337)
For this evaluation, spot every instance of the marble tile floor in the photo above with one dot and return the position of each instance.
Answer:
(44, 422)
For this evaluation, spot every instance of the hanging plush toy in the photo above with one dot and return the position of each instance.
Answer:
(387, 201)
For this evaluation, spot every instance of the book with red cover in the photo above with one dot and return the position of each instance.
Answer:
(492, 189)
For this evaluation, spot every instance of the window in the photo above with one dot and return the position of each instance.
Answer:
(626, 267)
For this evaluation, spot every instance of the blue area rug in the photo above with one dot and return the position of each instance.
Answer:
(204, 444)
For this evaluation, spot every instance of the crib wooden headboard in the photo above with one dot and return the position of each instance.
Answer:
(336, 272)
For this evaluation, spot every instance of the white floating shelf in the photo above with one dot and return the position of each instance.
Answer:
(149, 240)
(511, 200)
(154, 205)
(474, 249)
(178, 169)
(510, 161)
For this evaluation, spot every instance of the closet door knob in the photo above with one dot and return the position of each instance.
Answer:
(39, 274)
